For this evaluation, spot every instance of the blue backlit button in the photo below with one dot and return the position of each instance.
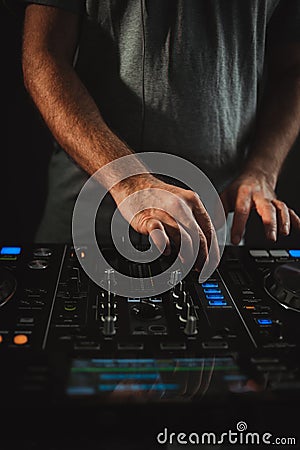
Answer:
(264, 321)
(211, 284)
(214, 297)
(212, 291)
(295, 253)
(10, 251)
(217, 303)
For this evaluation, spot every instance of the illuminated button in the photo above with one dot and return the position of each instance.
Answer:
(217, 303)
(212, 291)
(214, 297)
(259, 253)
(210, 285)
(70, 307)
(10, 251)
(250, 307)
(264, 321)
(1, 338)
(295, 253)
(20, 339)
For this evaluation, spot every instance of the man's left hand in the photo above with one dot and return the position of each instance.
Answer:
(253, 190)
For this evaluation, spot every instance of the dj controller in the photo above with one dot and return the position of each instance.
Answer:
(224, 349)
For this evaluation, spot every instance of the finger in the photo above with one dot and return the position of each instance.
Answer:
(186, 252)
(283, 217)
(213, 255)
(158, 235)
(209, 249)
(209, 252)
(295, 220)
(267, 212)
(202, 256)
(241, 213)
(203, 220)
(173, 233)
(182, 240)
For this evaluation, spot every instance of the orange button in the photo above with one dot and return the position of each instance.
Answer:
(1, 338)
(20, 339)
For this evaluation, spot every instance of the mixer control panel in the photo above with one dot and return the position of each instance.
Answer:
(238, 330)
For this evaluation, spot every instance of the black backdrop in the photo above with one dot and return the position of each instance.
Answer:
(26, 148)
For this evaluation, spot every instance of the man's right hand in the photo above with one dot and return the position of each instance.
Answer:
(169, 215)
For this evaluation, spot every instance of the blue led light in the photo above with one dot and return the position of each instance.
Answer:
(80, 390)
(128, 376)
(115, 362)
(210, 285)
(217, 303)
(214, 297)
(10, 251)
(264, 321)
(212, 291)
(295, 253)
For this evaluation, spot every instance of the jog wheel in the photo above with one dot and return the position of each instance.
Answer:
(284, 285)
(8, 285)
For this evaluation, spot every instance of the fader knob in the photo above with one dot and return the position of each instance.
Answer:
(109, 280)
(185, 308)
(109, 328)
(191, 326)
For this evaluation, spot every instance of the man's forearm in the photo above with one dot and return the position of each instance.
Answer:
(71, 114)
(278, 126)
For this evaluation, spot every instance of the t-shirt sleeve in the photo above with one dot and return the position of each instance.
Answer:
(284, 25)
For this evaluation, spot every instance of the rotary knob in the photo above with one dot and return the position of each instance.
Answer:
(42, 252)
(38, 264)
(284, 285)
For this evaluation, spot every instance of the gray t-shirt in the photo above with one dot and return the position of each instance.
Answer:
(181, 76)
(177, 76)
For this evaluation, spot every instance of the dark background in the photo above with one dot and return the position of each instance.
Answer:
(26, 149)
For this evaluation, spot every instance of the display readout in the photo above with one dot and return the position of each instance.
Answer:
(152, 379)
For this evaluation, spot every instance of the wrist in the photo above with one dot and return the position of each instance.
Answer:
(132, 184)
(260, 171)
